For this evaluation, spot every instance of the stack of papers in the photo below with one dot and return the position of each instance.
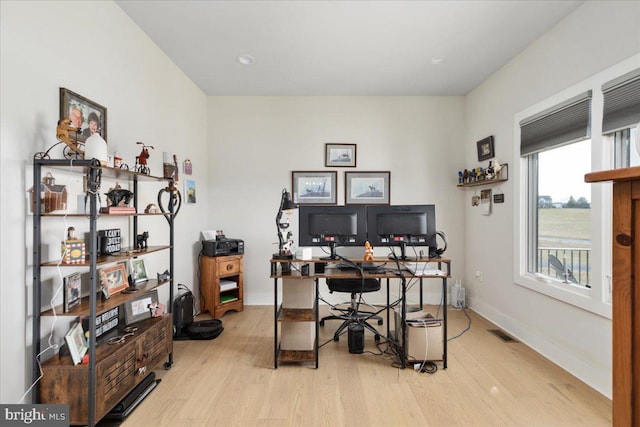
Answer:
(225, 285)
(422, 269)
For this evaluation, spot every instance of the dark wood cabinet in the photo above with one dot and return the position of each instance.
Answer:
(119, 368)
(625, 293)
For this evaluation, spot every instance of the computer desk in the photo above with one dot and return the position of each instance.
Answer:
(326, 269)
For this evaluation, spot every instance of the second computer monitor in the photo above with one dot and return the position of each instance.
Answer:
(332, 226)
(402, 226)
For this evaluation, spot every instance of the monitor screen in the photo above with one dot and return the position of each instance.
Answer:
(402, 225)
(332, 225)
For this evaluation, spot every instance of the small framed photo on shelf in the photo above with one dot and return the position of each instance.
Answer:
(139, 308)
(76, 342)
(85, 114)
(340, 155)
(114, 279)
(138, 271)
(71, 296)
(367, 188)
(314, 187)
(485, 149)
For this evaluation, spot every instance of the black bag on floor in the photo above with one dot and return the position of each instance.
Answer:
(184, 326)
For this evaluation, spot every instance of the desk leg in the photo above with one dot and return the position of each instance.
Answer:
(421, 301)
(316, 282)
(275, 324)
(388, 309)
(403, 353)
(444, 318)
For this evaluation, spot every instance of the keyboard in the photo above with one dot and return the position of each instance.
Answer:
(366, 266)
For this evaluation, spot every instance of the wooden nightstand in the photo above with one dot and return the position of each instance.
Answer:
(221, 284)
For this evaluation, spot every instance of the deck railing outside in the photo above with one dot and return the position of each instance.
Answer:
(577, 262)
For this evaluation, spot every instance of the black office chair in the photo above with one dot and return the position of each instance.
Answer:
(353, 314)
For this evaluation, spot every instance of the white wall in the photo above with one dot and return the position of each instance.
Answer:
(257, 141)
(593, 38)
(94, 49)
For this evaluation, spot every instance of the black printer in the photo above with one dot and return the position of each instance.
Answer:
(222, 246)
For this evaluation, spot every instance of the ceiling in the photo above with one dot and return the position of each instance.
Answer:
(343, 47)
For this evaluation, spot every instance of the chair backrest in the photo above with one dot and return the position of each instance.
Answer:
(353, 285)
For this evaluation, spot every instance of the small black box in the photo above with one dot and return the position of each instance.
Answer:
(318, 267)
(304, 270)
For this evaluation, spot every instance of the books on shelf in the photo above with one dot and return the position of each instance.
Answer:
(227, 298)
(226, 285)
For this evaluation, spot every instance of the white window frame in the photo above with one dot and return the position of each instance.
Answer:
(596, 299)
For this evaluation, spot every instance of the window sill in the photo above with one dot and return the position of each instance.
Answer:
(568, 293)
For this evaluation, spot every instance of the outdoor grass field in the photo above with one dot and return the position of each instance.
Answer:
(569, 228)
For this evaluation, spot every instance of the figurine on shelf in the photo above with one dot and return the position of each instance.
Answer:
(141, 159)
(368, 251)
(151, 208)
(141, 240)
(119, 195)
(73, 148)
(490, 172)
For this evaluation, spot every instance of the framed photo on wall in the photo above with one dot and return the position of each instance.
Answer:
(367, 188)
(114, 279)
(85, 114)
(314, 188)
(340, 155)
(485, 149)
(190, 191)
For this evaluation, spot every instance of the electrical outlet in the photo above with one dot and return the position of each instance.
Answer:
(479, 275)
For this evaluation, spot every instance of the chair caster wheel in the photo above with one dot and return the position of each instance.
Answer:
(321, 323)
(380, 322)
(377, 338)
(336, 338)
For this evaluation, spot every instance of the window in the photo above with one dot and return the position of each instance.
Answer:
(560, 221)
(556, 146)
(562, 226)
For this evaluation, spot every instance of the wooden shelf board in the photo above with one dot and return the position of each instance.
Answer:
(483, 182)
(104, 305)
(125, 254)
(297, 315)
(297, 356)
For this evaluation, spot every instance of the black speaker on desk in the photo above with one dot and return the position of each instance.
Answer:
(356, 338)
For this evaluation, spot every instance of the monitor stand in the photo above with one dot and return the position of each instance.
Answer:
(332, 255)
(403, 255)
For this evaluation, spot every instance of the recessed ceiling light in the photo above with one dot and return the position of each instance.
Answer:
(437, 60)
(246, 59)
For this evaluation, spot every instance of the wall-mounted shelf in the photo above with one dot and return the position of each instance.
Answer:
(503, 176)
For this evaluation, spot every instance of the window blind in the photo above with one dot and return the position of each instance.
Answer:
(621, 102)
(561, 124)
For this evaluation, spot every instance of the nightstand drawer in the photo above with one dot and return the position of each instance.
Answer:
(229, 267)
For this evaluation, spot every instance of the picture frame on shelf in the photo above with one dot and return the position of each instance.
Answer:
(76, 342)
(138, 271)
(314, 187)
(139, 308)
(367, 188)
(71, 295)
(114, 278)
(84, 113)
(485, 149)
(340, 155)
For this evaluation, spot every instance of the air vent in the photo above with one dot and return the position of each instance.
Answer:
(502, 335)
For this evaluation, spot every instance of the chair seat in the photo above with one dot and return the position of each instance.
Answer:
(353, 285)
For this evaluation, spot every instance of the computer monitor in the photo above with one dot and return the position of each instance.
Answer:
(402, 226)
(332, 226)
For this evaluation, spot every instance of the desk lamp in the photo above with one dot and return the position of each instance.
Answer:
(286, 206)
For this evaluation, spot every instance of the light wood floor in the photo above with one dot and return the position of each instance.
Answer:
(230, 381)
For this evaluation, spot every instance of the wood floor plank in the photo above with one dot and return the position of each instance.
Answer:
(230, 381)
